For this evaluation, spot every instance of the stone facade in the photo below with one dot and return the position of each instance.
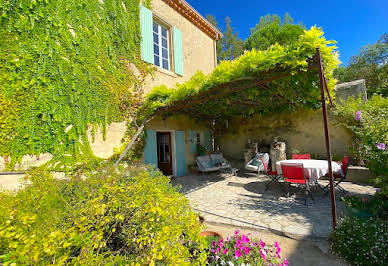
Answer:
(302, 131)
(354, 88)
(198, 48)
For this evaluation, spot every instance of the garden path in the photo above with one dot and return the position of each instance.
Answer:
(242, 201)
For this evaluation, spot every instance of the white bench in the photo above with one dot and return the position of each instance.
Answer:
(214, 162)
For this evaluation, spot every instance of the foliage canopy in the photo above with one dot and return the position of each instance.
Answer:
(69, 69)
(299, 89)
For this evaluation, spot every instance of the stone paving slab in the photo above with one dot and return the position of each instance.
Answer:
(243, 201)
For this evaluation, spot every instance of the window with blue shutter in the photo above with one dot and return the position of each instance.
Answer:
(146, 27)
(178, 53)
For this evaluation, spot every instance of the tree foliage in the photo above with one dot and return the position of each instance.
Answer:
(230, 46)
(370, 64)
(270, 30)
(65, 66)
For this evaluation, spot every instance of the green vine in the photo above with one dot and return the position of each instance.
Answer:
(65, 66)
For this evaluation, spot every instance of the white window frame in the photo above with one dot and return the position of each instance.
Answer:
(159, 33)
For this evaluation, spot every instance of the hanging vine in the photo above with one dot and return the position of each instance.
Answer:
(65, 66)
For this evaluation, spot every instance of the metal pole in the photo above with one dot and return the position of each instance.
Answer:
(322, 82)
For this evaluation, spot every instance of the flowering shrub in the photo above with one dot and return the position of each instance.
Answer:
(124, 218)
(242, 249)
(376, 205)
(362, 241)
(368, 121)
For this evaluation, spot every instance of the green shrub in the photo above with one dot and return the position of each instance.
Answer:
(376, 205)
(136, 217)
(362, 241)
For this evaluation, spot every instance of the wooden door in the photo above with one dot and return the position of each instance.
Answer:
(164, 152)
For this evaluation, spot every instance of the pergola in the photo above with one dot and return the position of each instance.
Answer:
(194, 105)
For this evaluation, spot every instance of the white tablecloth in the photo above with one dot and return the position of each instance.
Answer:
(314, 169)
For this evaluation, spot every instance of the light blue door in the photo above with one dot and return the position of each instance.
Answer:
(150, 150)
(180, 153)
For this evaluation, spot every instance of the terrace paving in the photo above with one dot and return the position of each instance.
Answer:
(242, 201)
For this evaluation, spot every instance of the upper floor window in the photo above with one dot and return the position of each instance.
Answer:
(161, 45)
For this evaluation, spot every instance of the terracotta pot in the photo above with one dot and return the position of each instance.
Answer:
(210, 234)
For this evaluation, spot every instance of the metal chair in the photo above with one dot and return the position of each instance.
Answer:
(301, 156)
(340, 176)
(294, 174)
(271, 174)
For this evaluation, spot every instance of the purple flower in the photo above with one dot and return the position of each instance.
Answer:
(358, 115)
(262, 244)
(214, 243)
(237, 253)
(263, 254)
(245, 239)
(381, 146)
(247, 250)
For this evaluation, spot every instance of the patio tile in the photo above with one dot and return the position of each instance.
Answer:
(243, 201)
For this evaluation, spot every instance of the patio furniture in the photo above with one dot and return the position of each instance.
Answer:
(294, 174)
(214, 162)
(256, 164)
(271, 174)
(340, 176)
(301, 156)
(313, 169)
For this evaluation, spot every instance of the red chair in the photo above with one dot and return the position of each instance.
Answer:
(271, 174)
(294, 174)
(340, 176)
(301, 156)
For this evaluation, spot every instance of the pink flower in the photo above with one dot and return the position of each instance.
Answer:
(263, 254)
(285, 262)
(381, 146)
(364, 199)
(220, 244)
(238, 243)
(262, 244)
(218, 250)
(237, 253)
(358, 116)
(213, 250)
(228, 238)
(237, 232)
(247, 250)
(278, 250)
(214, 243)
(226, 251)
(276, 244)
(245, 239)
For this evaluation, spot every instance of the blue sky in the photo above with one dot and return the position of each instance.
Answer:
(352, 24)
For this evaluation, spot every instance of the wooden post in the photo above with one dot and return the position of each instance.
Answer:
(322, 83)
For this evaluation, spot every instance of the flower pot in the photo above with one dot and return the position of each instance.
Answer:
(352, 212)
(210, 234)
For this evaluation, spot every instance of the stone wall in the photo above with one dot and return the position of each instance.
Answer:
(301, 130)
(197, 47)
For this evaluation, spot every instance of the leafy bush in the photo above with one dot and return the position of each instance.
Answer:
(110, 218)
(362, 241)
(376, 205)
(242, 249)
(368, 121)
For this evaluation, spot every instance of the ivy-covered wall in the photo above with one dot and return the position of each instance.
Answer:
(63, 67)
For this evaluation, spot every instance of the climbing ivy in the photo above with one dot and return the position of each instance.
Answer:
(299, 90)
(65, 66)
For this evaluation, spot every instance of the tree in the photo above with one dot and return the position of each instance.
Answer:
(230, 46)
(271, 30)
(370, 64)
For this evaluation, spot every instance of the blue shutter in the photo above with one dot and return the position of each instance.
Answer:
(178, 54)
(147, 43)
(150, 150)
(180, 153)
(192, 138)
(208, 141)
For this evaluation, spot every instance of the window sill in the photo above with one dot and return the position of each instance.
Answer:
(167, 72)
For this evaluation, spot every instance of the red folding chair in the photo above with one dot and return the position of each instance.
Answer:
(271, 174)
(294, 174)
(301, 156)
(339, 177)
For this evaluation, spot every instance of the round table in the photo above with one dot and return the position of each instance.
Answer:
(314, 169)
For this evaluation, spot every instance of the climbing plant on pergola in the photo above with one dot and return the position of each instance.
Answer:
(280, 78)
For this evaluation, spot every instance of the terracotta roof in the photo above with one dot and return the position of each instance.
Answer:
(183, 8)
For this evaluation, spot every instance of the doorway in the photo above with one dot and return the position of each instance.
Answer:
(164, 150)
